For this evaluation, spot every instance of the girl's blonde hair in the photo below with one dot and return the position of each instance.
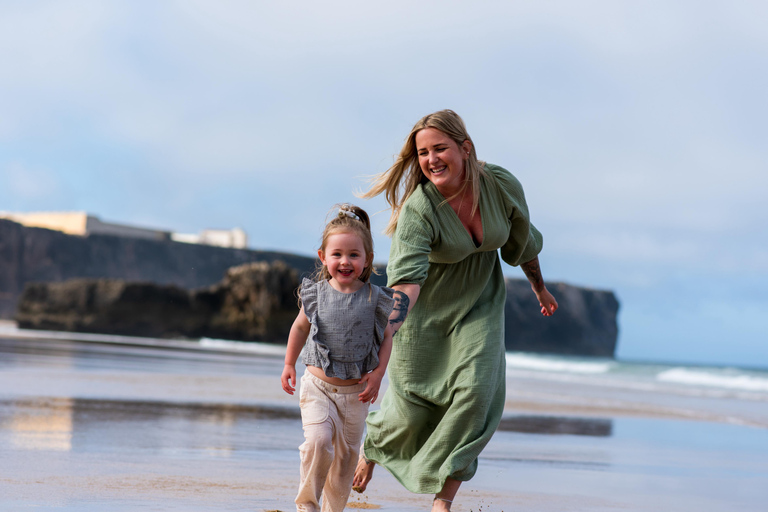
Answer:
(348, 218)
(400, 181)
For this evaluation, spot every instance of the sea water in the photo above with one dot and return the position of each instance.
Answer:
(746, 383)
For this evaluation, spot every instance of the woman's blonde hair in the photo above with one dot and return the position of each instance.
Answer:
(348, 218)
(400, 181)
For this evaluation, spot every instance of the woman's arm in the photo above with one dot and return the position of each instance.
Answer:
(405, 298)
(546, 300)
(296, 340)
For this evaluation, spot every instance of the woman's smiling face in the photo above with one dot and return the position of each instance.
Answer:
(441, 159)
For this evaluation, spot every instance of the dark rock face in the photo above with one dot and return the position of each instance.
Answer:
(255, 301)
(585, 323)
(108, 306)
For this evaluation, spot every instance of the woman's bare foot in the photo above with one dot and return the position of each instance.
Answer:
(441, 505)
(444, 499)
(363, 474)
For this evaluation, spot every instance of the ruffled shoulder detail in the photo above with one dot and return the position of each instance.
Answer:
(315, 353)
(308, 294)
(385, 303)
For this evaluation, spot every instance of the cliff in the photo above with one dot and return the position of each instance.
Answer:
(585, 322)
(254, 301)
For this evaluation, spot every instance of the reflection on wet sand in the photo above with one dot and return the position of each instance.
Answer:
(42, 426)
(64, 424)
(68, 424)
(557, 425)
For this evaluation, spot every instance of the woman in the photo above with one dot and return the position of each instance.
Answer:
(447, 371)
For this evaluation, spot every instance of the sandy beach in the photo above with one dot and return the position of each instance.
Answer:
(127, 424)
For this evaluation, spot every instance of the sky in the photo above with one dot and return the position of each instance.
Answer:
(638, 130)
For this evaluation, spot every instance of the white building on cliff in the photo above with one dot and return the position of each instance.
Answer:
(83, 224)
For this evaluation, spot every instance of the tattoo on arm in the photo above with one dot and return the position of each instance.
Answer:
(532, 271)
(400, 311)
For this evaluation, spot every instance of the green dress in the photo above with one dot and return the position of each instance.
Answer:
(447, 371)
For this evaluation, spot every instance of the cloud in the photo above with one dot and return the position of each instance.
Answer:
(214, 90)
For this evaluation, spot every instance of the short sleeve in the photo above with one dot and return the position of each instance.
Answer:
(525, 241)
(384, 306)
(308, 294)
(315, 352)
(412, 242)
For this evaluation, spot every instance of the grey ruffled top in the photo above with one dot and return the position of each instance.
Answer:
(347, 328)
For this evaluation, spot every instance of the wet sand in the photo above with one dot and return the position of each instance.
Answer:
(90, 426)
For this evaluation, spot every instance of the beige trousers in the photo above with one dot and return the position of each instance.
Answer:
(333, 419)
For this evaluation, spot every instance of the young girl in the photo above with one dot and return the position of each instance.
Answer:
(344, 322)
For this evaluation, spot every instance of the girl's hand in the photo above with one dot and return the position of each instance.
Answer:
(288, 378)
(296, 339)
(373, 383)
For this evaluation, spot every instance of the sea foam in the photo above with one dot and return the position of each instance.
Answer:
(542, 363)
(698, 377)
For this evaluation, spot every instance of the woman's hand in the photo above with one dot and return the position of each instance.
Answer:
(372, 384)
(533, 273)
(546, 301)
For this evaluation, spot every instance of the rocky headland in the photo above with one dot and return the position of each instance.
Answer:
(254, 302)
(586, 322)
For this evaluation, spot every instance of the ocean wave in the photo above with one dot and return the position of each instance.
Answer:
(244, 346)
(530, 362)
(705, 378)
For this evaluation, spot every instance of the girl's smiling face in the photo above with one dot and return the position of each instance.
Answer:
(441, 159)
(345, 258)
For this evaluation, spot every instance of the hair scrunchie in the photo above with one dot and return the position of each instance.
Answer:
(347, 213)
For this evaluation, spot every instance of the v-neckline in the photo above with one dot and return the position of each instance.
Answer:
(482, 228)
(458, 219)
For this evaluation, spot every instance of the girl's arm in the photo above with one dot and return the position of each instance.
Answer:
(296, 340)
(546, 300)
(405, 298)
(374, 377)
